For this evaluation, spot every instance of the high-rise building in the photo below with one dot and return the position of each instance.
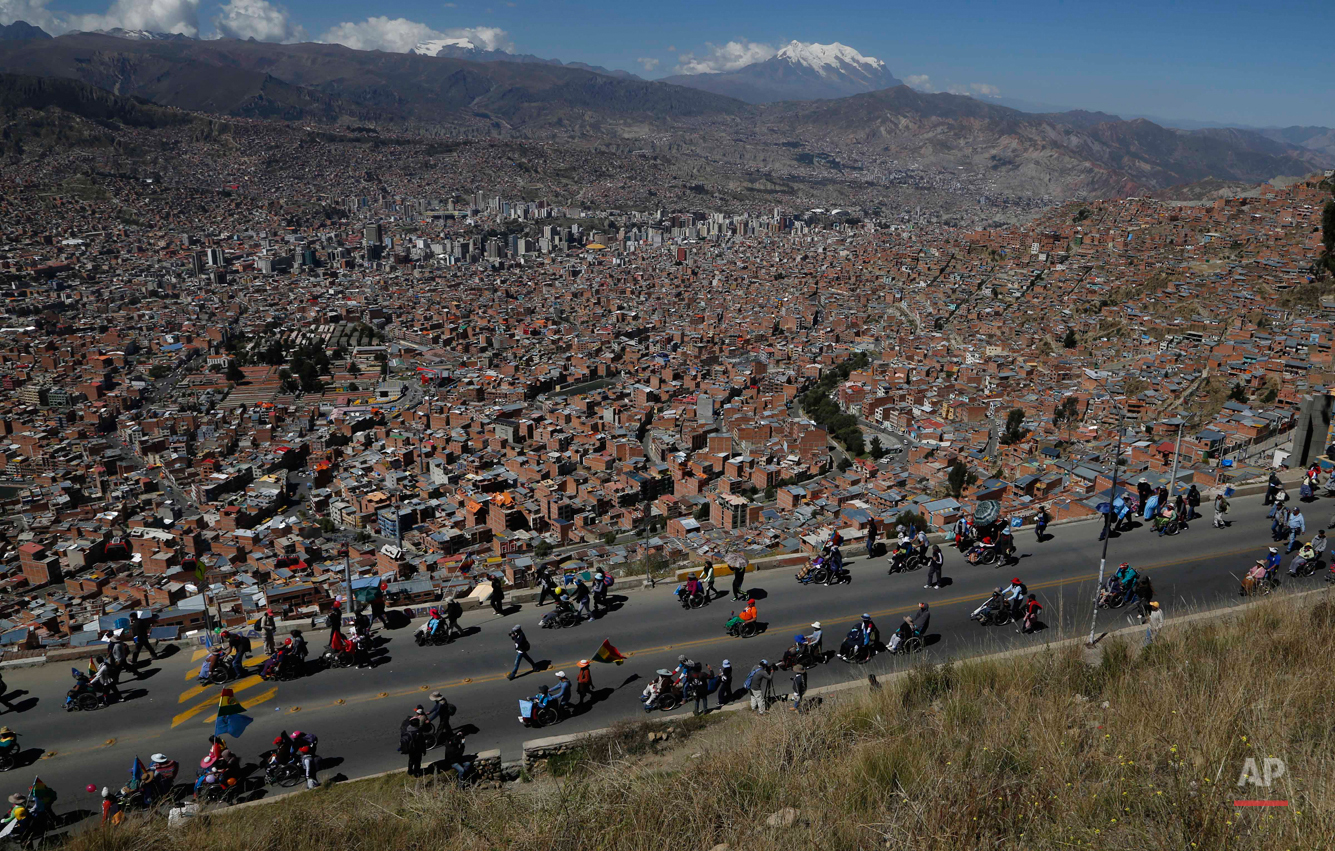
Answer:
(373, 234)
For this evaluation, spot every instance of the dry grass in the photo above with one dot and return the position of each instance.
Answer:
(1142, 751)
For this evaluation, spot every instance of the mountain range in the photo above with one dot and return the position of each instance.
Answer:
(464, 91)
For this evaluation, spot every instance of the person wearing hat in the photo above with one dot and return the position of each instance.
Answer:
(268, 625)
(19, 813)
(562, 690)
(111, 808)
(440, 713)
(584, 681)
(1154, 622)
(814, 640)
(799, 687)
(725, 683)
(9, 742)
(334, 620)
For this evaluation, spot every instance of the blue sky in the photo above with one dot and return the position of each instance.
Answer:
(1246, 63)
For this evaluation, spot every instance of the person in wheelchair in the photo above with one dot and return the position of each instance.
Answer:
(1112, 589)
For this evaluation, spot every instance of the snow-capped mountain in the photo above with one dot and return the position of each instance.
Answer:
(141, 35)
(799, 71)
(436, 45)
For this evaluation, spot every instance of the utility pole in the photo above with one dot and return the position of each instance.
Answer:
(1109, 520)
(1177, 450)
(347, 572)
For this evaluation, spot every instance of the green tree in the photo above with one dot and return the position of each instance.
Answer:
(610, 538)
(844, 464)
(1070, 342)
(1238, 393)
(959, 478)
(1014, 431)
(877, 450)
(542, 549)
(234, 373)
(770, 493)
(1066, 413)
(702, 512)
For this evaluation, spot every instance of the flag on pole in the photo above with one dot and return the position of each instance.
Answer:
(608, 653)
(230, 721)
(42, 793)
(92, 669)
(137, 771)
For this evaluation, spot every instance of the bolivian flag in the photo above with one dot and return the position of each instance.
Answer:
(608, 653)
(92, 669)
(230, 721)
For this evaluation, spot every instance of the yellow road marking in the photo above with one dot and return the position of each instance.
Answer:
(255, 700)
(239, 685)
(199, 654)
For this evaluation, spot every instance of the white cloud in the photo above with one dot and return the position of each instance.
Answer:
(921, 82)
(725, 57)
(257, 19)
(647, 63)
(161, 16)
(984, 89)
(169, 16)
(400, 35)
(32, 11)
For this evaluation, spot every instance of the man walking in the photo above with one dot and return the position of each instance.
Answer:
(119, 656)
(760, 681)
(139, 632)
(738, 575)
(871, 538)
(707, 579)
(934, 565)
(1220, 511)
(584, 682)
(521, 651)
(268, 626)
(498, 595)
(412, 743)
(725, 683)
(546, 585)
(1041, 523)
(334, 620)
(378, 607)
(1297, 526)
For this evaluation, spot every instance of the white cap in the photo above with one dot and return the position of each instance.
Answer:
(561, 674)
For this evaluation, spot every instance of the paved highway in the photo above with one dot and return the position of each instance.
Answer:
(356, 712)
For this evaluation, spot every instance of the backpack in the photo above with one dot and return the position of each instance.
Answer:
(749, 677)
(406, 739)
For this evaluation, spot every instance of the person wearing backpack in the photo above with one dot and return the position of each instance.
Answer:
(725, 683)
(412, 743)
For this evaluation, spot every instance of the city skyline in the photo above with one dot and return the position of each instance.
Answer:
(1226, 63)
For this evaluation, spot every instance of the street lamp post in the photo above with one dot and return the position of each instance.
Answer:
(1109, 519)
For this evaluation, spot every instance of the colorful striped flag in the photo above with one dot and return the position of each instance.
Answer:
(608, 653)
(230, 721)
(92, 669)
(41, 792)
